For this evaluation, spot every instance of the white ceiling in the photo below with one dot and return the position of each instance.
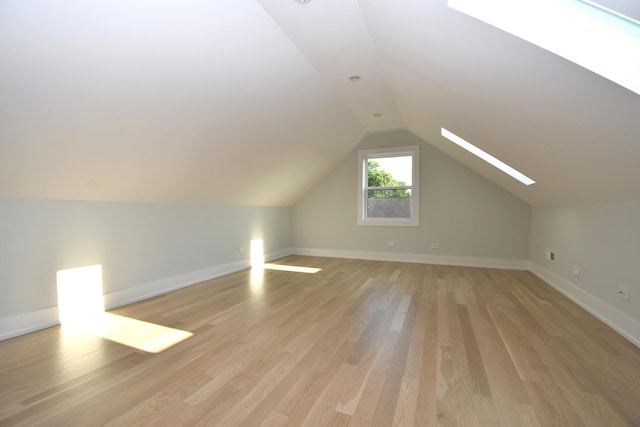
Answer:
(248, 102)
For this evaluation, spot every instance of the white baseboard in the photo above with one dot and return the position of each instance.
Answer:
(507, 264)
(162, 286)
(620, 322)
(21, 324)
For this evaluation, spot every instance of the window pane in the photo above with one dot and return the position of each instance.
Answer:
(389, 203)
(390, 171)
(388, 180)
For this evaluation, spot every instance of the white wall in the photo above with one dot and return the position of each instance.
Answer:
(604, 241)
(144, 249)
(474, 221)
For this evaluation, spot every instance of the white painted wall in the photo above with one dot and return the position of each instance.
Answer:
(474, 221)
(604, 241)
(144, 249)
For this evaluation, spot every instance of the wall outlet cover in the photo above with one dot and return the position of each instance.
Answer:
(551, 256)
(623, 293)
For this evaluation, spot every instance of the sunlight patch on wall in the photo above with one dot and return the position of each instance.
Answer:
(257, 253)
(81, 309)
(80, 300)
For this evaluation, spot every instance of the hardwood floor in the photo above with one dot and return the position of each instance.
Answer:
(359, 343)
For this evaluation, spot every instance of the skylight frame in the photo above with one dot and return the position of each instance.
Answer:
(461, 142)
(598, 4)
(602, 42)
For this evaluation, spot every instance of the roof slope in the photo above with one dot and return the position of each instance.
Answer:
(249, 102)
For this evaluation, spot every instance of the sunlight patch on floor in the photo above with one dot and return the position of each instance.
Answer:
(257, 281)
(81, 309)
(144, 336)
(292, 268)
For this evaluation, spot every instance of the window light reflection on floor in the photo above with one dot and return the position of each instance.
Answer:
(257, 280)
(144, 336)
(292, 268)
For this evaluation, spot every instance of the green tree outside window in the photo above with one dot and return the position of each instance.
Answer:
(378, 177)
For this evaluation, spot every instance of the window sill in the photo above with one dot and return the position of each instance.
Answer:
(381, 222)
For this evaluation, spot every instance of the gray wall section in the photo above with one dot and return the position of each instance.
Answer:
(602, 239)
(136, 243)
(462, 211)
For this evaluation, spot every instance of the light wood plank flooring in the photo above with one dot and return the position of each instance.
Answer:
(359, 343)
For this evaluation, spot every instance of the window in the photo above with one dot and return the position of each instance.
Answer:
(388, 193)
(486, 157)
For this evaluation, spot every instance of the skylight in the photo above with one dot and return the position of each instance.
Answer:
(487, 157)
(606, 43)
(626, 9)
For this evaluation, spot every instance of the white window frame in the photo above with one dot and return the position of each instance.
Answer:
(371, 154)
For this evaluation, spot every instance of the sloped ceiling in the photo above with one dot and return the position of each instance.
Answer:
(249, 102)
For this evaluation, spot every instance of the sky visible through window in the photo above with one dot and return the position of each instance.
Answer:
(398, 167)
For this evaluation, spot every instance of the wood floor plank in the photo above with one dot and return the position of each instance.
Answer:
(359, 343)
(427, 411)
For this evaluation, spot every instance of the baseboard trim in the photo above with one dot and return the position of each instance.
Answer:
(20, 324)
(620, 322)
(13, 326)
(462, 261)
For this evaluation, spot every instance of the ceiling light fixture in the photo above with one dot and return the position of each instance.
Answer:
(303, 1)
(354, 79)
(486, 157)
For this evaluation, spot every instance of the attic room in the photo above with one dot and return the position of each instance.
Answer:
(189, 177)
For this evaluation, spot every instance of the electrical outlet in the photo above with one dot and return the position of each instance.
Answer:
(241, 250)
(623, 293)
(435, 246)
(391, 243)
(551, 256)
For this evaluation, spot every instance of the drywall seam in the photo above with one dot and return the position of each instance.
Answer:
(463, 261)
(24, 323)
(620, 322)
